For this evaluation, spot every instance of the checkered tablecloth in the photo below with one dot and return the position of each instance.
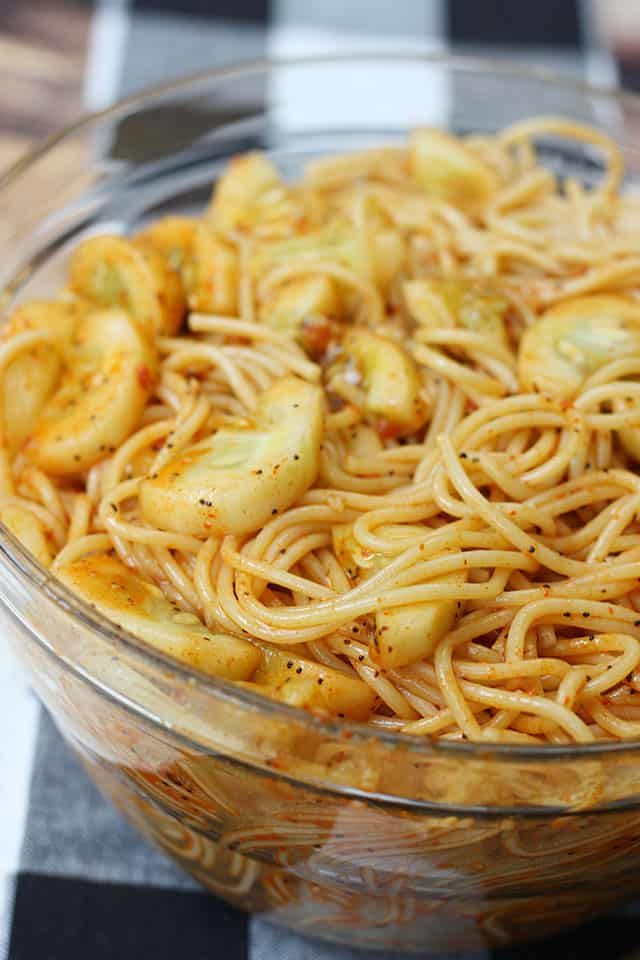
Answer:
(75, 880)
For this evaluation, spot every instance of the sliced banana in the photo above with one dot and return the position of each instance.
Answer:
(111, 271)
(210, 273)
(28, 530)
(304, 683)
(462, 302)
(448, 170)
(31, 378)
(303, 309)
(109, 374)
(237, 479)
(140, 607)
(172, 237)
(574, 339)
(407, 634)
(249, 191)
(379, 376)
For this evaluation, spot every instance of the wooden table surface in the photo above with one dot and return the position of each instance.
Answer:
(43, 45)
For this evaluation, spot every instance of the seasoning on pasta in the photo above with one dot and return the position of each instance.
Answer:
(366, 443)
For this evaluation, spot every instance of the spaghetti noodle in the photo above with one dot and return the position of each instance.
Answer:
(366, 443)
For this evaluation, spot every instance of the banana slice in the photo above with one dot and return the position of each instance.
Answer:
(111, 271)
(465, 302)
(172, 237)
(379, 376)
(109, 375)
(410, 633)
(28, 530)
(237, 479)
(210, 273)
(448, 170)
(304, 683)
(30, 380)
(249, 191)
(304, 310)
(574, 339)
(140, 607)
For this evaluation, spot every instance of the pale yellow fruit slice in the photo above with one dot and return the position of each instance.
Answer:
(300, 303)
(210, 273)
(304, 683)
(410, 633)
(109, 375)
(28, 530)
(381, 377)
(172, 237)
(111, 271)
(141, 608)
(237, 479)
(574, 339)
(248, 184)
(448, 170)
(31, 378)
(461, 302)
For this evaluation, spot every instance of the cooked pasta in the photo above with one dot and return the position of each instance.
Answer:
(366, 443)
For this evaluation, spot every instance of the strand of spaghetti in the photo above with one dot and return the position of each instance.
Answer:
(606, 718)
(374, 519)
(559, 610)
(572, 439)
(468, 380)
(468, 338)
(496, 518)
(173, 572)
(386, 691)
(528, 129)
(525, 703)
(80, 547)
(299, 624)
(490, 673)
(270, 573)
(623, 273)
(616, 369)
(80, 517)
(615, 672)
(622, 513)
(232, 326)
(140, 440)
(185, 428)
(236, 379)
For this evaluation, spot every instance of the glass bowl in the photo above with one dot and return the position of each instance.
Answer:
(336, 830)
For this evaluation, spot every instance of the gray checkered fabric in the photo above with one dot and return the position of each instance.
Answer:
(75, 880)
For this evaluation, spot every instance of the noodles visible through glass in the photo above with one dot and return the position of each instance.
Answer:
(366, 443)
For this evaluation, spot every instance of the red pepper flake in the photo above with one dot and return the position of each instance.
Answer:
(387, 430)
(145, 377)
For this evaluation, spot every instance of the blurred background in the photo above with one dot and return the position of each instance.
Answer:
(61, 56)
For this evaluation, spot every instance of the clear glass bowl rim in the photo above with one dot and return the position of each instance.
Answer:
(41, 580)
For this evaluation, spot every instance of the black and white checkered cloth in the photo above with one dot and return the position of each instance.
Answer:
(75, 880)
